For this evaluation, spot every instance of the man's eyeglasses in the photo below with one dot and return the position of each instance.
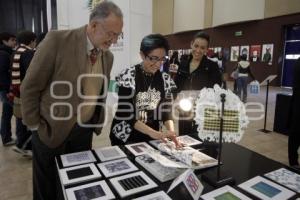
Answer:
(156, 59)
(110, 34)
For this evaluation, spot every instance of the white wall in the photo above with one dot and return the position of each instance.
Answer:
(137, 24)
(237, 11)
(140, 26)
(188, 15)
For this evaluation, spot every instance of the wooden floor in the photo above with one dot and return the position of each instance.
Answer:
(16, 171)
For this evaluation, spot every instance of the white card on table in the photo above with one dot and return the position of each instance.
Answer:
(225, 192)
(138, 148)
(110, 153)
(77, 158)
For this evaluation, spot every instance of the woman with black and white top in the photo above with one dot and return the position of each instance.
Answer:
(144, 97)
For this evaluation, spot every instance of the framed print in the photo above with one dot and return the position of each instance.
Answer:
(255, 51)
(234, 53)
(78, 174)
(267, 53)
(224, 193)
(110, 153)
(138, 148)
(161, 195)
(132, 183)
(265, 189)
(117, 167)
(244, 50)
(77, 158)
(188, 140)
(285, 177)
(97, 190)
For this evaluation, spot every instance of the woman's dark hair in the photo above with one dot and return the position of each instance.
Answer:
(202, 35)
(153, 41)
(6, 36)
(243, 57)
(26, 37)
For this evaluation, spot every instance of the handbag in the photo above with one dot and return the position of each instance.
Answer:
(235, 74)
(17, 107)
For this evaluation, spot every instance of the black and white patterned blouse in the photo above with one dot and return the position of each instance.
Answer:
(142, 97)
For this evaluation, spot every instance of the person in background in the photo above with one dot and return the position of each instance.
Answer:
(7, 44)
(244, 72)
(174, 64)
(195, 72)
(145, 94)
(21, 60)
(70, 67)
(294, 116)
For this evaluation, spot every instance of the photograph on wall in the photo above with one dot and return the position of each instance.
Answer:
(255, 51)
(132, 183)
(225, 192)
(226, 53)
(117, 167)
(285, 177)
(265, 189)
(77, 158)
(210, 52)
(96, 190)
(110, 153)
(138, 148)
(234, 53)
(161, 195)
(79, 174)
(267, 53)
(244, 50)
(217, 50)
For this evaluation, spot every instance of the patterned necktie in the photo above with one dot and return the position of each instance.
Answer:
(93, 55)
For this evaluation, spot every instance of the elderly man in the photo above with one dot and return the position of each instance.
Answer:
(63, 90)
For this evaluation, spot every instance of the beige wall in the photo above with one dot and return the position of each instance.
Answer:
(188, 15)
(281, 7)
(237, 11)
(162, 15)
(208, 13)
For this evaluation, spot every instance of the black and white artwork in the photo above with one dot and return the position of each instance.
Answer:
(77, 158)
(188, 140)
(161, 195)
(138, 148)
(132, 183)
(110, 153)
(79, 174)
(162, 173)
(117, 167)
(286, 177)
(96, 190)
(265, 189)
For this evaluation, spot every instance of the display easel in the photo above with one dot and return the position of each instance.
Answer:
(266, 82)
(217, 177)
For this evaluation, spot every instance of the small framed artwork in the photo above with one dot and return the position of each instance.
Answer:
(132, 183)
(285, 177)
(188, 140)
(161, 195)
(234, 55)
(138, 149)
(225, 192)
(244, 50)
(79, 174)
(110, 153)
(97, 190)
(77, 158)
(265, 189)
(117, 167)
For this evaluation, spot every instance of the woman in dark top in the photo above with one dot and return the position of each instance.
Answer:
(144, 97)
(194, 73)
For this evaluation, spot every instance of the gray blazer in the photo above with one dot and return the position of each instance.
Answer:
(60, 57)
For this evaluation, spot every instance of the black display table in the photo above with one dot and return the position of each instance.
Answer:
(240, 163)
(281, 113)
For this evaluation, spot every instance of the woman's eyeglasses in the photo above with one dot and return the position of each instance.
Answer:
(156, 59)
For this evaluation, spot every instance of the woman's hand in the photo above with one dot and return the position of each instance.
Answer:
(168, 134)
